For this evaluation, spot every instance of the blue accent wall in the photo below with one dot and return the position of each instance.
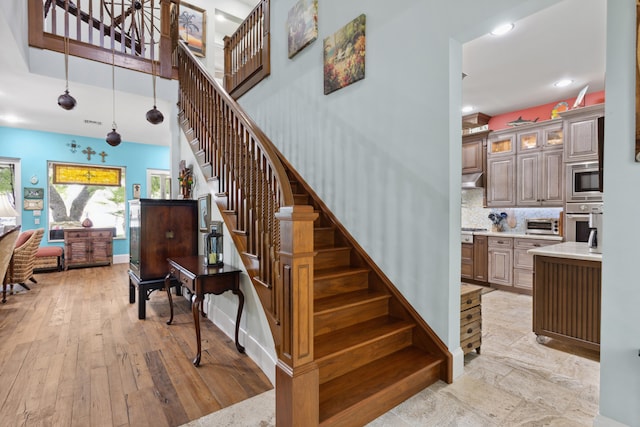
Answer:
(36, 148)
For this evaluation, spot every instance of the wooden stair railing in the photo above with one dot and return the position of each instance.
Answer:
(350, 347)
(247, 52)
(93, 28)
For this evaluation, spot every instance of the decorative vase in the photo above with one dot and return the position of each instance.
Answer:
(87, 223)
(496, 227)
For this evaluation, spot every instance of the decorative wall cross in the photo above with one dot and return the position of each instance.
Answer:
(88, 151)
(103, 155)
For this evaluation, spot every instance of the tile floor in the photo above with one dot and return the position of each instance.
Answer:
(514, 382)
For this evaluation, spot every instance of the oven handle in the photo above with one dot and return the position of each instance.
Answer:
(577, 216)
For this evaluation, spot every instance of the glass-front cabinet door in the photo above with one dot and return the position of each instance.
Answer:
(553, 136)
(528, 140)
(502, 144)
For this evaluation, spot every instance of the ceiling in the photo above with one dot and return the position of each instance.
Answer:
(517, 70)
(504, 74)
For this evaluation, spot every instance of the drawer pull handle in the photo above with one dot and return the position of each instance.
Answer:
(469, 316)
(501, 242)
(537, 245)
(469, 330)
(469, 345)
(469, 301)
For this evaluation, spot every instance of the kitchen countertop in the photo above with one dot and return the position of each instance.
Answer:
(519, 235)
(572, 250)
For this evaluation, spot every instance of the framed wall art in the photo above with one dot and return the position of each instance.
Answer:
(192, 27)
(344, 54)
(204, 209)
(33, 193)
(302, 25)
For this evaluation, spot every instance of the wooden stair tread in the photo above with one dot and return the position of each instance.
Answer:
(344, 340)
(334, 273)
(340, 301)
(374, 383)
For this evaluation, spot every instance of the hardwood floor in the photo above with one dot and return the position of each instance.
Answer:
(73, 353)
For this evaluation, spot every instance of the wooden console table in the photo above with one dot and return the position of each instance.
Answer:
(199, 279)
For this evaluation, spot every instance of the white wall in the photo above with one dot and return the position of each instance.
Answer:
(620, 327)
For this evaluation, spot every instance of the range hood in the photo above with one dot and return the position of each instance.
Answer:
(472, 180)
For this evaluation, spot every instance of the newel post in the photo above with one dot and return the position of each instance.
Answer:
(296, 371)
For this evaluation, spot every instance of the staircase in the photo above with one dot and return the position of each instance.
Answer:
(349, 346)
(370, 349)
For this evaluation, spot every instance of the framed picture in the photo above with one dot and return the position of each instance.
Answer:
(344, 55)
(580, 97)
(33, 193)
(192, 27)
(204, 209)
(33, 204)
(302, 25)
(136, 191)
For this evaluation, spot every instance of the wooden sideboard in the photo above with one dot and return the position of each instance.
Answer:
(88, 246)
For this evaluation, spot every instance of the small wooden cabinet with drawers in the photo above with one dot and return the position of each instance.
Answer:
(470, 318)
(88, 246)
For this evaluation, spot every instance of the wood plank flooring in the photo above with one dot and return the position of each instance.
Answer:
(73, 353)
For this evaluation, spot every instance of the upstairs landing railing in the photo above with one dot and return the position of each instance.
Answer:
(247, 52)
(139, 32)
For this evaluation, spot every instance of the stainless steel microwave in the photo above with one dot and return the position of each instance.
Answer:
(583, 182)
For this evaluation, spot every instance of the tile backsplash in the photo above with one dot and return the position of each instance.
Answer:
(475, 215)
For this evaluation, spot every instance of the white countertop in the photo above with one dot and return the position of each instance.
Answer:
(519, 235)
(572, 250)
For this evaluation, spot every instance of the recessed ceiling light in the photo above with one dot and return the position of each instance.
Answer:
(10, 118)
(563, 83)
(467, 108)
(220, 17)
(502, 29)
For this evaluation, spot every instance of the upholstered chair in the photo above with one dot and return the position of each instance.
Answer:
(24, 258)
(7, 245)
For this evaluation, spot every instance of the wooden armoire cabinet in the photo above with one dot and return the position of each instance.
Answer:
(160, 229)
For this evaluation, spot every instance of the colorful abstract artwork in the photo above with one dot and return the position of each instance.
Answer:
(344, 55)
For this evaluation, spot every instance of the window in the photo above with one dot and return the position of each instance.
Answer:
(9, 175)
(79, 191)
(158, 184)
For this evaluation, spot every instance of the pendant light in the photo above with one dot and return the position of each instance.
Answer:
(154, 116)
(65, 100)
(113, 137)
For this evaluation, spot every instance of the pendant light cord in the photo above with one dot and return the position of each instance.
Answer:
(153, 79)
(113, 82)
(66, 48)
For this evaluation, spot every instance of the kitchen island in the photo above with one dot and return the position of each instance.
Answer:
(567, 294)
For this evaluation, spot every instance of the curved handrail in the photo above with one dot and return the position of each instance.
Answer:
(263, 141)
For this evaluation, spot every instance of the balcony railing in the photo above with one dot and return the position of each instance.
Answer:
(246, 52)
(135, 32)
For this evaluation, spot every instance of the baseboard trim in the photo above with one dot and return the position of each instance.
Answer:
(602, 421)
(458, 362)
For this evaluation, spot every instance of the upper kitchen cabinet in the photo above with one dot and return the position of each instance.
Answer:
(540, 179)
(545, 135)
(581, 133)
(474, 147)
(502, 143)
(501, 181)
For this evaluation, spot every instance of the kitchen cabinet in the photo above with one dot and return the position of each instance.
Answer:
(581, 133)
(88, 246)
(501, 143)
(466, 271)
(500, 260)
(474, 149)
(480, 258)
(547, 135)
(501, 181)
(523, 262)
(540, 179)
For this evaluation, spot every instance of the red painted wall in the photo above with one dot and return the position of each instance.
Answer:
(542, 112)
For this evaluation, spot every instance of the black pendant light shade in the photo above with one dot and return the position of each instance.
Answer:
(113, 138)
(154, 116)
(66, 101)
